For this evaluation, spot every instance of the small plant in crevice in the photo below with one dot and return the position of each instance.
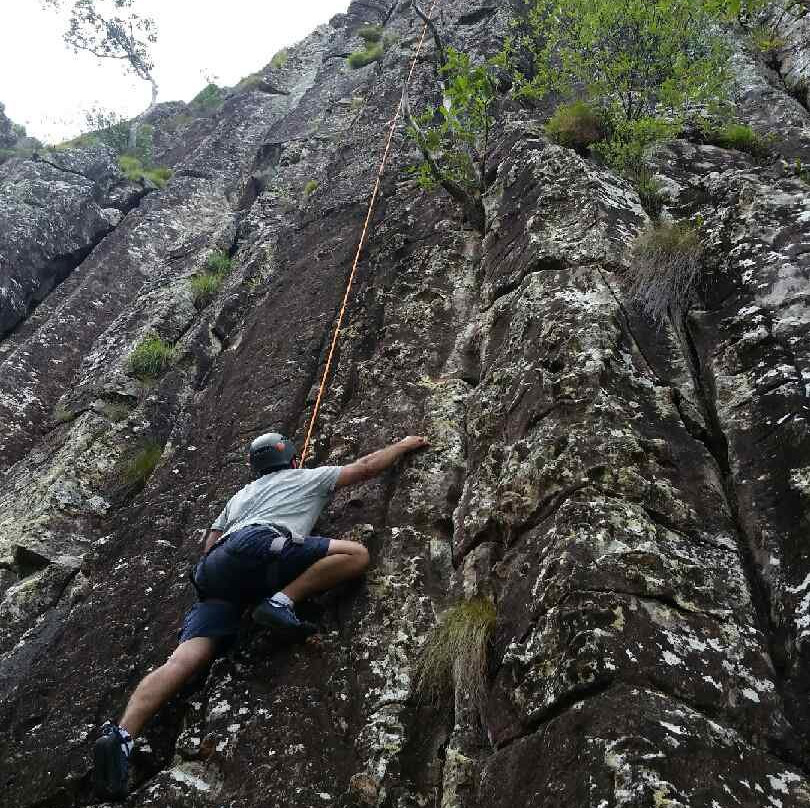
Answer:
(137, 469)
(577, 125)
(768, 43)
(134, 170)
(310, 187)
(218, 261)
(205, 286)
(741, 138)
(665, 264)
(454, 657)
(649, 192)
(365, 57)
(150, 357)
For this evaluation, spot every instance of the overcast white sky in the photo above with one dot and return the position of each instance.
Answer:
(46, 87)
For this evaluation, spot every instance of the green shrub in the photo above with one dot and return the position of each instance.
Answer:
(138, 469)
(664, 267)
(133, 169)
(19, 130)
(365, 57)
(370, 33)
(632, 57)
(310, 187)
(740, 137)
(208, 99)
(577, 125)
(455, 654)
(150, 357)
(280, 59)
(219, 262)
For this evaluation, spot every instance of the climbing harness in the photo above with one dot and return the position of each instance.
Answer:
(362, 241)
(242, 573)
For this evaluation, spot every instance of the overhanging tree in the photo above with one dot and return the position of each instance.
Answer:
(111, 29)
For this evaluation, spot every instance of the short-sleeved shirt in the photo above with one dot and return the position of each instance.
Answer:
(293, 498)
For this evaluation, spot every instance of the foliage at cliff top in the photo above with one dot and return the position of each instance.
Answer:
(638, 57)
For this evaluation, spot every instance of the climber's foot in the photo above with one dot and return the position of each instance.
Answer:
(111, 763)
(283, 620)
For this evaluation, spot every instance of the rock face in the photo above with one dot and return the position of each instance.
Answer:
(634, 499)
(53, 211)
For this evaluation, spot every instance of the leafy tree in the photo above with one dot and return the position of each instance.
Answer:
(645, 61)
(455, 137)
(111, 29)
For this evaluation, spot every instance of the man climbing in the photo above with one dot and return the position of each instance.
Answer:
(258, 545)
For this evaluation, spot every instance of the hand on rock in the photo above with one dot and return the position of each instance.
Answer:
(414, 442)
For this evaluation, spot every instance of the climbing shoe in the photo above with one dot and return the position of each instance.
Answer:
(111, 763)
(282, 619)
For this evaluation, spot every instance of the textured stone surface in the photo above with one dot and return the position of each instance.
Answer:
(635, 500)
(53, 211)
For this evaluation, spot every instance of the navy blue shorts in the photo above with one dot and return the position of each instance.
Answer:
(241, 571)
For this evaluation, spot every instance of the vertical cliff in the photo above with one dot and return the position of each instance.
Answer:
(633, 499)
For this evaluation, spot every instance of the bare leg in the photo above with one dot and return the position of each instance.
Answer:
(159, 686)
(345, 560)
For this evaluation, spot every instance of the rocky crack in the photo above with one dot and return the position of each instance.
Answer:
(714, 439)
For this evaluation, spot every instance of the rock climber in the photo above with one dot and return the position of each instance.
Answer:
(259, 544)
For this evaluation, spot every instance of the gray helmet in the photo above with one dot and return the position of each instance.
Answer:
(271, 452)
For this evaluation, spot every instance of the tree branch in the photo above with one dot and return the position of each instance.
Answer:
(441, 54)
(471, 206)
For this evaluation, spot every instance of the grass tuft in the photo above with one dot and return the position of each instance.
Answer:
(740, 137)
(133, 169)
(218, 261)
(150, 357)
(455, 654)
(205, 285)
(365, 57)
(650, 192)
(310, 187)
(577, 125)
(664, 268)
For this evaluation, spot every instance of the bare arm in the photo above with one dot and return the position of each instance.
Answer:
(375, 463)
(211, 539)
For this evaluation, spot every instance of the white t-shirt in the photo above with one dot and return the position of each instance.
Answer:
(293, 498)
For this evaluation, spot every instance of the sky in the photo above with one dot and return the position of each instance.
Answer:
(46, 87)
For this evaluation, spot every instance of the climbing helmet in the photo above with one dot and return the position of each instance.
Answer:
(271, 452)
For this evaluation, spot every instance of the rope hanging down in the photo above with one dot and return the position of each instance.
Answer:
(361, 243)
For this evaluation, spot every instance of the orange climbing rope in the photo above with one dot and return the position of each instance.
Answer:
(361, 243)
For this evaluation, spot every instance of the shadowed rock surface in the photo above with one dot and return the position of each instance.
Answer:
(634, 499)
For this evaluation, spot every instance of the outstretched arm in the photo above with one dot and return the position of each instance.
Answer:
(375, 463)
